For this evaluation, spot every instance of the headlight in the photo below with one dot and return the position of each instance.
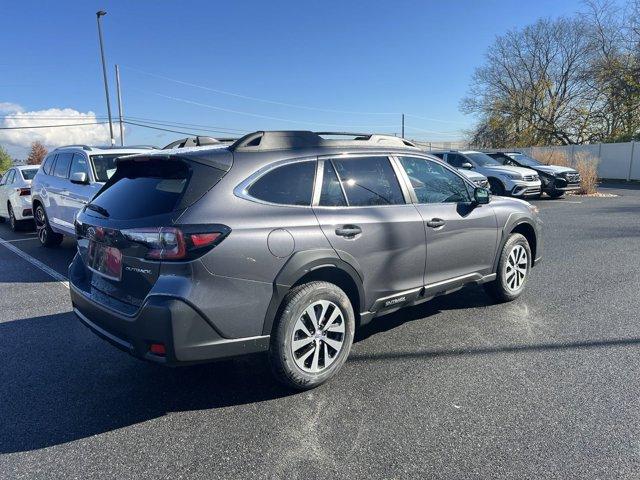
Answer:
(513, 176)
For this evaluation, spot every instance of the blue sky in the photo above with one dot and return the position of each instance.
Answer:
(385, 57)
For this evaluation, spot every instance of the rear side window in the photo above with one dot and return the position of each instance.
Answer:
(331, 195)
(369, 181)
(62, 165)
(290, 184)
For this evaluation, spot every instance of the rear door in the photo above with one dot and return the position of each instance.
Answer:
(461, 236)
(5, 185)
(365, 215)
(58, 191)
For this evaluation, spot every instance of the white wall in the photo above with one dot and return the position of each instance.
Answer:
(620, 161)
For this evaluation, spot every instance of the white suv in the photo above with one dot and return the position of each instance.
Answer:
(503, 179)
(67, 180)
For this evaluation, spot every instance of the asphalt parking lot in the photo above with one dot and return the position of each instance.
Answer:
(545, 387)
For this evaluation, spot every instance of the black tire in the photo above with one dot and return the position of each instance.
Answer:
(281, 353)
(13, 223)
(501, 289)
(555, 193)
(497, 188)
(48, 238)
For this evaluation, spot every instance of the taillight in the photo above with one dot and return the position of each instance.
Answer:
(22, 192)
(174, 243)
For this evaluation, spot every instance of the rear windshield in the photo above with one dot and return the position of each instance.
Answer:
(151, 187)
(104, 166)
(28, 174)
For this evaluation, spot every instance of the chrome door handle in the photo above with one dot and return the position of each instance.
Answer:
(348, 231)
(435, 223)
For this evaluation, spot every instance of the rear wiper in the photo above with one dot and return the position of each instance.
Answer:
(99, 209)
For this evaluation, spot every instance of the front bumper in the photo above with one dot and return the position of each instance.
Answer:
(523, 189)
(188, 338)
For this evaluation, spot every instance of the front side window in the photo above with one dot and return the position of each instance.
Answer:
(290, 184)
(368, 181)
(78, 164)
(434, 183)
(62, 165)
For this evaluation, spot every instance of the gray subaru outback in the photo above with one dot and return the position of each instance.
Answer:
(285, 242)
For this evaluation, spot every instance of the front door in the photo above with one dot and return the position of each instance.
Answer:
(363, 212)
(462, 237)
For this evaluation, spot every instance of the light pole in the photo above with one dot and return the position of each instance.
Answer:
(99, 14)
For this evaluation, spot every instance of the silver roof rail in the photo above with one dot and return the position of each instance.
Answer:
(84, 147)
(291, 139)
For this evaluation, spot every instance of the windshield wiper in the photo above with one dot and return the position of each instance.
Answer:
(99, 209)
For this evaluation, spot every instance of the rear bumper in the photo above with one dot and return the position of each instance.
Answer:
(187, 336)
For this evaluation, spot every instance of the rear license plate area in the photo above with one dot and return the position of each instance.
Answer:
(105, 260)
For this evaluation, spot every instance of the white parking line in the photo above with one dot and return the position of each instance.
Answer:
(20, 240)
(35, 262)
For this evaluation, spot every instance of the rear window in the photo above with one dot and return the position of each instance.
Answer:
(146, 188)
(48, 163)
(290, 184)
(28, 174)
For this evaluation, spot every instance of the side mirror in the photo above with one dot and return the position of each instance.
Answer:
(80, 178)
(481, 196)
(466, 166)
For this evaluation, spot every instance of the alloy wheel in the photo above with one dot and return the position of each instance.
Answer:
(516, 268)
(12, 218)
(41, 225)
(318, 336)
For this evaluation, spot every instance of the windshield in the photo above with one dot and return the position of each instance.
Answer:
(481, 159)
(524, 160)
(29, 173)
(104, 166)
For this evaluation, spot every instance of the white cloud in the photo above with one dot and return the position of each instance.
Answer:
(8, 107)
(52, 136)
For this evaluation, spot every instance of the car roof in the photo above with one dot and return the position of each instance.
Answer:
(26, 167)
(106, 149)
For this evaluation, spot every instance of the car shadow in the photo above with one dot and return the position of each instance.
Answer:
(61, 383)
(468, 297)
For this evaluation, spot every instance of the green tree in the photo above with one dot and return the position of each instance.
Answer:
(5, 161)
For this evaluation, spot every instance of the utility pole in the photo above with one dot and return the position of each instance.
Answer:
(119, 105)
(403, 125)
(99, 14)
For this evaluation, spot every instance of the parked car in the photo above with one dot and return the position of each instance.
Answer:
(15, 195)
(556, 180)
(68, 178)
(285, 242)
(476, 177)
(503, 179)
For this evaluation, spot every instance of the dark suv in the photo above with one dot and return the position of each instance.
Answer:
(285, 242)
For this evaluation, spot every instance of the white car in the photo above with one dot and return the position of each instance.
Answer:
(15, 195)
(504, 179)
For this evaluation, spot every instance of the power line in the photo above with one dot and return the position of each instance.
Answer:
(159, 128)
(267, 117)
(256, 99)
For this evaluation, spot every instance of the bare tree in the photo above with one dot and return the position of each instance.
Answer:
(559, 81)
(37, 154)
